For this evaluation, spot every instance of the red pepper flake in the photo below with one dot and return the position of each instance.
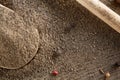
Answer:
(55, 72)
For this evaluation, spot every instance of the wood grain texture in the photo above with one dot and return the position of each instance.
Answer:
(103, 12)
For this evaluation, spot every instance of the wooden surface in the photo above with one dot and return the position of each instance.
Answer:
(72, 41)
(103, 12)
(112, 5)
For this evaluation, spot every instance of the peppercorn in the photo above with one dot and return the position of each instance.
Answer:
(55, 72)
(107, 75)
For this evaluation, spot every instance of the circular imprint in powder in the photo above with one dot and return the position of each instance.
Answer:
(18, 41)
